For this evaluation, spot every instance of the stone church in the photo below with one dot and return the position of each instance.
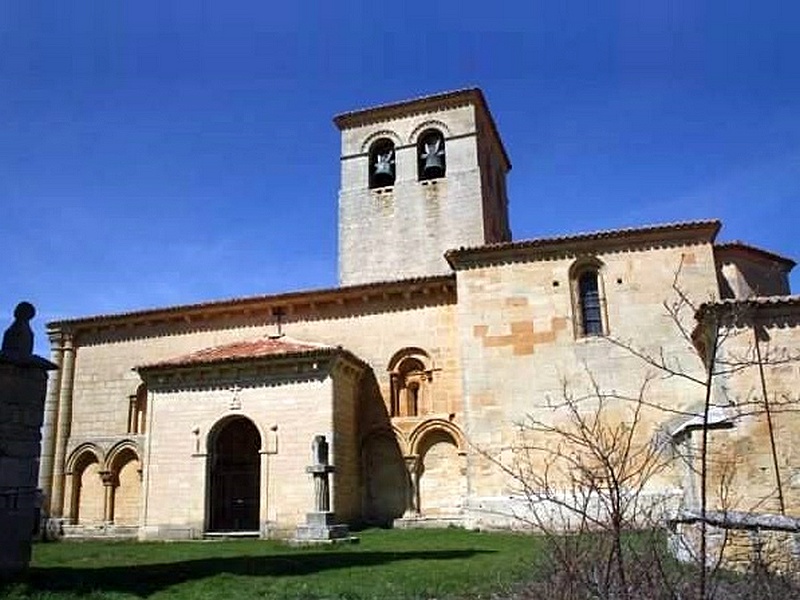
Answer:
(442, 336)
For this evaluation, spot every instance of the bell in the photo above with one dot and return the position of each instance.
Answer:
(384, 170)
(434, 166)
(434, 160)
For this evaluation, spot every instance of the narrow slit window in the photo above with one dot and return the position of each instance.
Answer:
(589, 300)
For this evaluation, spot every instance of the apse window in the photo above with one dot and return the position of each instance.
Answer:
(431, 157)
(381, 164)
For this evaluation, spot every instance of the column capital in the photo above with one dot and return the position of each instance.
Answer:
(61, 339)
(109, 478)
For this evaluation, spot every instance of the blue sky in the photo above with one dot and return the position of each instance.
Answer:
(158, 152)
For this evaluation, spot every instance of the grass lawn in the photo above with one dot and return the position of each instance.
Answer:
(402, 564)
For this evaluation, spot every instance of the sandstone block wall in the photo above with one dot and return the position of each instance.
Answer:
(176, 483)
(104, 381)
(742, 471)
(521, 350)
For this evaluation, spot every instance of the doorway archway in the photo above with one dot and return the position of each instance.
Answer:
(234, 476)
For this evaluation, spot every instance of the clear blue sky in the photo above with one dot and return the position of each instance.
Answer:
(158, 152)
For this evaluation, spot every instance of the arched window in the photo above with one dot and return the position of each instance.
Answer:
(431, 158)
(381, 163)
(588, 300)
(410, 383)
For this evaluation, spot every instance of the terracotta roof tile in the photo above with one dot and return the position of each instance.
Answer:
(729, 304)
(247, 301)
(261, 348)
(750, 249)
(709, 228)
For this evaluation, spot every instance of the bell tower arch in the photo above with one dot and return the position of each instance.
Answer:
(419, 178)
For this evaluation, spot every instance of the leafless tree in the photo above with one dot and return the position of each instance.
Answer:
(586, 463)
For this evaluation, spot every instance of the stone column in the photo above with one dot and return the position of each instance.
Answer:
(322, 495)
(49, 424)
(63, 427)
(413, 508)
(109, 486)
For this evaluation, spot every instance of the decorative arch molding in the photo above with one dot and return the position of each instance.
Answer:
(429, 124)
(83, 450)
(137, 388)
(213, 430)
(120, 449)
(234, 461)
(585, 263)
(393, 433)
(422, 431)
(375, 136)
(410, 375)
(409, 351)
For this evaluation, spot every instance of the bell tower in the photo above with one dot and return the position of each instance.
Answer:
(418, 178)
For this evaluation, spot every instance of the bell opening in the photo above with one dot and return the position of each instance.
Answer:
(431, 156)
(381, 164)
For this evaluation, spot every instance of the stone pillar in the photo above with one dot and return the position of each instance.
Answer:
(23, 387)
(322, 494)
(63, 427)
(320, 526)
(49, 424)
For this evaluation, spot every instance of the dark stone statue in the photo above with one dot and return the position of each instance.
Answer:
(17, 345)
(319, 450)
(18, 338)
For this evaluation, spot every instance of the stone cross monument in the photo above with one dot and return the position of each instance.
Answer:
(320, 526)
(23, 385)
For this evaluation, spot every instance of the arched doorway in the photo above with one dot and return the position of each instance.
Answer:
(234, 476)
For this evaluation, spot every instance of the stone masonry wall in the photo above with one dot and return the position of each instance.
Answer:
(22, 391)
(105, 380)
(520, 348)
(404, 231)
(175, 476)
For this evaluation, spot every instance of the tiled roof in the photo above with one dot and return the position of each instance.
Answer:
(246, 350)
(743, 247)
(706, 230)
(318, 295)
(756, 302)
(362, 114)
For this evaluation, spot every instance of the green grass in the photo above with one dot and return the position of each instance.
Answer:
(416, 564)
